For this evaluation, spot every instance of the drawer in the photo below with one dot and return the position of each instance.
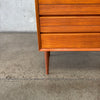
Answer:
(69, 29)
(70, 24)
(70, 21)
(76, 9)
(70, 40)
(69, 1)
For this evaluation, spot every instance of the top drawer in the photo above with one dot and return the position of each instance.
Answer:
(69, 1)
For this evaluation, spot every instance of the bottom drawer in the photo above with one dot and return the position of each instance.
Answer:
(70, 40)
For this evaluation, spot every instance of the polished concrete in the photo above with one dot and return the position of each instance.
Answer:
(73, 75)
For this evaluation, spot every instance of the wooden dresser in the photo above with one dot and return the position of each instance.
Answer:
(67, 25)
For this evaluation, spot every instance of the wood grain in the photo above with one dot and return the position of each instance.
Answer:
(47, 54)
(69, 9)
(70, 29)
(70, 49)
(78, 40)
(69, 1)
(70, 20)
(38, 22)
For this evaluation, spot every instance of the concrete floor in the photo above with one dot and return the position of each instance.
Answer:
(73, 75)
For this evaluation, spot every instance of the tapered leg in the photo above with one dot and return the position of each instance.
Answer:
(47, 54)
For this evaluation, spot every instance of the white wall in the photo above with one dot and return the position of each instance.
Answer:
(17, 15)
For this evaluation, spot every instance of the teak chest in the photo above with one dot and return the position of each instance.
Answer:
(67, 25)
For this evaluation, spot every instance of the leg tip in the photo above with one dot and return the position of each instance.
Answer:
(47, 73)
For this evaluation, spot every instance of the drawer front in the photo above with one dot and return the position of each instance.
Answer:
(70, 29)
(76, 9)
(70, 40)
(71, 20)
(69, 1)
(70, 24)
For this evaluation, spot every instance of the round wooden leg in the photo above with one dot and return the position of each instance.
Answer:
(47, 54)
